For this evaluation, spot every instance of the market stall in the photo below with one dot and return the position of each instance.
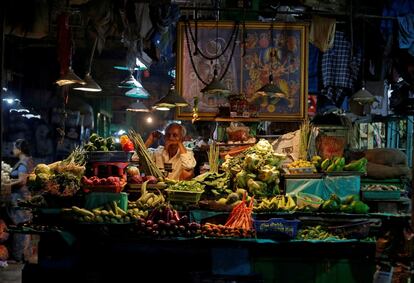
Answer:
(255, 201)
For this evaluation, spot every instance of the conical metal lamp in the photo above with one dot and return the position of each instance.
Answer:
(215, 86)
(270, 89)
(90, 85)
(69, 78)
(130, 82)
(363, 96)
(171, 100)
(137, 107)
(137, 92)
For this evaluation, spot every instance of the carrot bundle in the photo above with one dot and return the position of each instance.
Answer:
(241, 215)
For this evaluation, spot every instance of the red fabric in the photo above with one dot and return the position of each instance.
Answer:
(64, 42)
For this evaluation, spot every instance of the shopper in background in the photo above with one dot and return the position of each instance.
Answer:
(24, 165)
(173, 157)
(21, 169)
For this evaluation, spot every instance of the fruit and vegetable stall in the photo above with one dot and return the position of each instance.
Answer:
(254, 201)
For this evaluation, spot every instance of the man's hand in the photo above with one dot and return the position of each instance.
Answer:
(153, 137)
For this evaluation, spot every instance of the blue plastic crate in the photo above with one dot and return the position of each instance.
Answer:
(277, 228)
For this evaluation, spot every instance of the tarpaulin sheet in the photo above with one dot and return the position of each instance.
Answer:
(342, 186)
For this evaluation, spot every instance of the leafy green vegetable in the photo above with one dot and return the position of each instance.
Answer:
(188, 186)
(268, 173)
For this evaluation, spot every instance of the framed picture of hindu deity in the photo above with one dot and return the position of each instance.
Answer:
(243, 56)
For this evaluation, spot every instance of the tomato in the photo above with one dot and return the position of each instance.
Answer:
(128, 146)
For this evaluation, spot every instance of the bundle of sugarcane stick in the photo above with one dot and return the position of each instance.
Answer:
(148, 164)
(213, 157)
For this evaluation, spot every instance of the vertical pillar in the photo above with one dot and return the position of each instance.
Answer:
(409, 143)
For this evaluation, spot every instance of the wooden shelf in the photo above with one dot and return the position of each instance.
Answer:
(237, 119)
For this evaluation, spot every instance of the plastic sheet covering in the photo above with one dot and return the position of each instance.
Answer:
(95, 200)
(342, 186)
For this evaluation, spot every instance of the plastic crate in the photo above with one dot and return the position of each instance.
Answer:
(277, 228)
(386, 182)
(109, 156)
(381, 195)
(302, 170)
(184, 196)
(359, 230)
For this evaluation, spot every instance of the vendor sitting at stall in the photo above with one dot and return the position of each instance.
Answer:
(173, 154)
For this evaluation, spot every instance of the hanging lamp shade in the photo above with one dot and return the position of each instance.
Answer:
(90, 85)
(19, 109)
(140, 66)
(215, 86)
(130, 82)
(171, 100)
(270, 89)
(137, 107)
(137, 92)
(363, 96)
(69, 78)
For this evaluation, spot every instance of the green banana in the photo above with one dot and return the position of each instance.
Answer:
(356, 165)
(325, 164)
(339, 163)
(331, 168)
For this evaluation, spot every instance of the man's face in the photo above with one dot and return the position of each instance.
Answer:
(174, 134)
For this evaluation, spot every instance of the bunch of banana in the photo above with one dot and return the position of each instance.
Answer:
(110, 213)
(316, 233)
(316, 161)
(148, 201)
(359, 165)
(335, 164)
(277, 203)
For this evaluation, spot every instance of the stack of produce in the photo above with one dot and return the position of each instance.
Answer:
(62, 178)
(110, 181)
(380, 188)
(233, 198)
(134, 176)
(164, 221)
(256, 169)
(216, 184)
(126, 143)
(97, 143)
(239, 223)
(147, 201)
(110, 213)
(147, 163)
(337, 164)
(185, 186)
(4, 235)
(277, 203)
(301, 166)
(351, 204)
(5, 172)
(316, 233)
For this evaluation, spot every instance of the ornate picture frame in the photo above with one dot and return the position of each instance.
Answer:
(220, 47)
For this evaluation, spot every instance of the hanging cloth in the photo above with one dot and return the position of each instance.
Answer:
(322, 32)
(406, 33)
